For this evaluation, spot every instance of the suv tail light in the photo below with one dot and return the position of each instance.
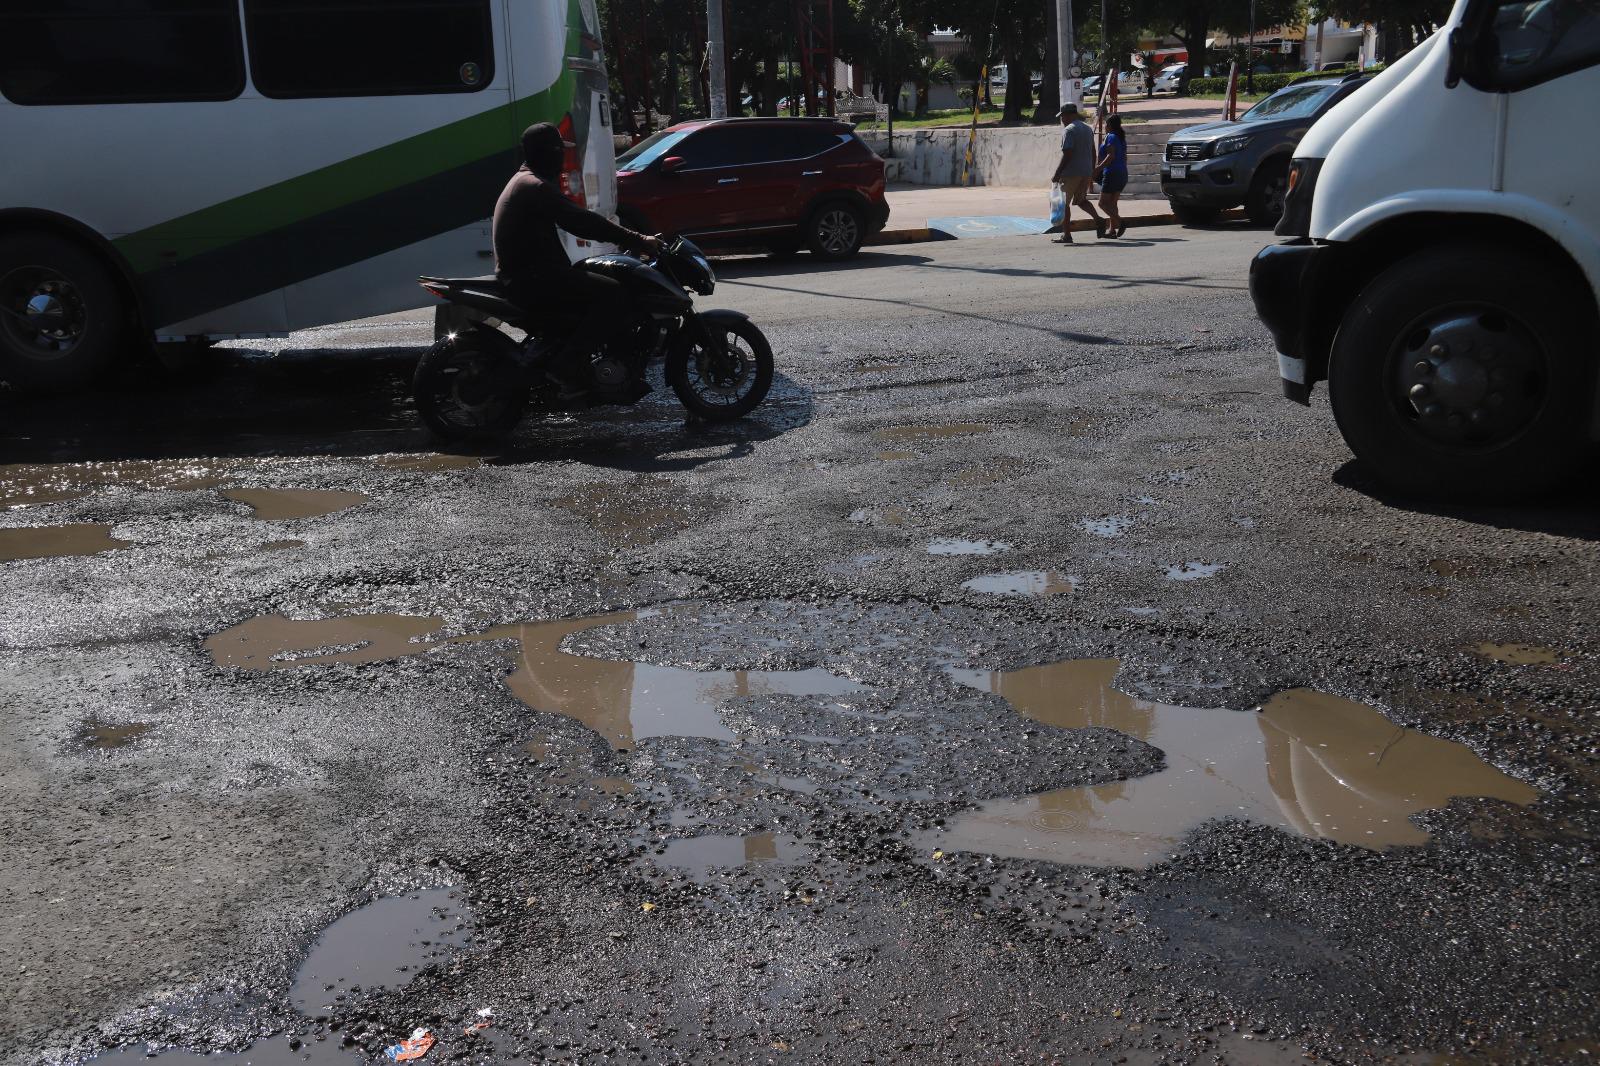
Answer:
(572, 166)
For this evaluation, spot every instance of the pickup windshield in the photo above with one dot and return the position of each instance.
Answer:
(650, 149)
(1294, 101)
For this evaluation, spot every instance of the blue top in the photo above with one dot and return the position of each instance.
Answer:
(1119, 153)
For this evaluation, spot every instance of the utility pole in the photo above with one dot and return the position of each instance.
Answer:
(1071, 84)
(1316, 63)
(1250, 54)
(716, 60)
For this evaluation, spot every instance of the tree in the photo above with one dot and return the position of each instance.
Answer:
(1191, 21)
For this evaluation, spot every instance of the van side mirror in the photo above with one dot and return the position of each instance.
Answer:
(1464, 39)
(672, 163)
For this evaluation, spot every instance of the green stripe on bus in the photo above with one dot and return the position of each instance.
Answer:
(345, 182)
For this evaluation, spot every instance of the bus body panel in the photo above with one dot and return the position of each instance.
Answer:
(257, 215)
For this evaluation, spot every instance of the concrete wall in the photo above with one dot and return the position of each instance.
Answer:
(1021, 155)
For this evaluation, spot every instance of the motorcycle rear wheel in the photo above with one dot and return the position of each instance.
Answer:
(723, 386)
(465, 390)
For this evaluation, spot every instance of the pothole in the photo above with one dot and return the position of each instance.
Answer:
(700, 856)
(1518, 654)
(278, 505)
(273, 642)
(1108, 526)
(963, 546)
(893, 434)
(428, 462)
(1193, 571)
(108, 736)
(1022, 583)
(49, 542)
(380, 946)
(1312, 764)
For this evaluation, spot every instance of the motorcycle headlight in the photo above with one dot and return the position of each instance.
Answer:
(1229, 145)
(1296, 220)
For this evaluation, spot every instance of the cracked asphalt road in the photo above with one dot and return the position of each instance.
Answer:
(749, 875)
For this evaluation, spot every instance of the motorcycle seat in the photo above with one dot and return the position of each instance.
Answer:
(481, 294)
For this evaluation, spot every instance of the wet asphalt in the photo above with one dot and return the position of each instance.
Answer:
(748, 867)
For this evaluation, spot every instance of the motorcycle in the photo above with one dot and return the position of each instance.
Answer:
(476, 383)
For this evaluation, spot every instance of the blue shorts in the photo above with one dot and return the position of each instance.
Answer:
(1114, 181)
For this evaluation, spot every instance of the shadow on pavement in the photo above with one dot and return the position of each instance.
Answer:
(757, 266)
(348, 403)
(1574, 514)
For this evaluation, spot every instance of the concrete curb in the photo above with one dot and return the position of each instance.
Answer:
(1082, 225)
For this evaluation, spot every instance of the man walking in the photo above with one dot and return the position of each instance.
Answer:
(1075, 170)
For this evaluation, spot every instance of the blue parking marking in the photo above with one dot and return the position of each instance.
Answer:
(989, 226)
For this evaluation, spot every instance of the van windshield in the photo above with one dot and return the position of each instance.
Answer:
(1294, 101)
(649, 150)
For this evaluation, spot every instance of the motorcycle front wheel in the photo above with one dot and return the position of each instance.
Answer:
(466, 389)
(720, 382)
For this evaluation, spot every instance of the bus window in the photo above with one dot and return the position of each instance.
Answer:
(301, 48)
(116, 51)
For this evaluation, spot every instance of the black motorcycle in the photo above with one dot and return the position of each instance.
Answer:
(476, 383)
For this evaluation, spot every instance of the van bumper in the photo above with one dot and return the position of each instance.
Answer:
(1284, 281)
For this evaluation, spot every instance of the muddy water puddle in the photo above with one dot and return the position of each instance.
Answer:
(48, 542)
(271, 1052)
(701, 855)
(429, 463)
(1195, 571)
(1109, 526)
(381, 945)
(27, 484)
(1022, 583)
(624, 702)
(280, 505)
(109, 736)
(1309, 763)
(902, 434)
(1517, 654)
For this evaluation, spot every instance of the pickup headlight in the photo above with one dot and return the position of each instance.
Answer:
(1229, 145)
(1296, 220)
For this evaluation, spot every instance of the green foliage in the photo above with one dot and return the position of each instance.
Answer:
(1265, 83)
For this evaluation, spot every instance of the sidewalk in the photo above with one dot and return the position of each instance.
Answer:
(991, 211)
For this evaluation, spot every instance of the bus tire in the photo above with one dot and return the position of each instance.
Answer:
(1464, 373)
(62, 315)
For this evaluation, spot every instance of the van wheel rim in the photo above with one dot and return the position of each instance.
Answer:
(836, 231)
(44, 314)
(1470, 377)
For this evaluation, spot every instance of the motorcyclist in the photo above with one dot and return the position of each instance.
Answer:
(532, 263)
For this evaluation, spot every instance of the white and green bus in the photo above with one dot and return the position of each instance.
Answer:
(185, 170)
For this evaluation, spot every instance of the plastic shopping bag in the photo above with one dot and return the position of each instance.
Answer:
(1058, 205)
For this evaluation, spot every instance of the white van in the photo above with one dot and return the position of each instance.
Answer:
(1444, 265)
(192, 169)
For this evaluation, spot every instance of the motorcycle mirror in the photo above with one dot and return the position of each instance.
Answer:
(672, 163)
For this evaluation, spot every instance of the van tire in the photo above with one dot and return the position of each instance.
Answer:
(836, 230)
(1490, 335)
(87, 316)
(1264, 202)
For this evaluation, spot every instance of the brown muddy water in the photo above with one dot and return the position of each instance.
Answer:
(278, 505)
(625, 702)
(48, 542)
(1307, 762)
(27, 484)
(1518, 654)
(1022, 583)
(108, 736)
(429, 462)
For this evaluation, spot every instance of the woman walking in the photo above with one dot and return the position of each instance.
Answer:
(1113, 167)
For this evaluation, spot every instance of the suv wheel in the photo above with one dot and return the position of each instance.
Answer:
(1264, 204)
(835, 231)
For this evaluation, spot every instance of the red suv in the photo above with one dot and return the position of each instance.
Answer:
(777, 183)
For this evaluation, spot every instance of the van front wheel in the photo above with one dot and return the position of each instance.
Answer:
(1465, 373)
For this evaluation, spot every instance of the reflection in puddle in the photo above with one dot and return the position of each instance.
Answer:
(1519, 654)
(1110, 526)
(48, 542)
(23, 485)
(624, 702)
(427, 462)
(273, 642)
(1022, 583)
(380, 944)
(627, 702)
(1193, 571)
(895, 434)
(701, 855)
(276, 505)
(107, 735)
(958, 546)
(1310, 763)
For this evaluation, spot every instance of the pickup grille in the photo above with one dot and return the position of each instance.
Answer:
(1182, 151)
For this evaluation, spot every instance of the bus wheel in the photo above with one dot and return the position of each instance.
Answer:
(1464, 373)
(61, 314)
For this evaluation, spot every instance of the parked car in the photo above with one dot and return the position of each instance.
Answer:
(1128, 81)
(1449, 291)
(1210, 168)
(778, 183)
(1168, 76)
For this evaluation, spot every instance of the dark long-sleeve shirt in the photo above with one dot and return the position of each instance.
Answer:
(528, 219)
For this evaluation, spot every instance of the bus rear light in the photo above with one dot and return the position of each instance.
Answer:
(572, 165)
